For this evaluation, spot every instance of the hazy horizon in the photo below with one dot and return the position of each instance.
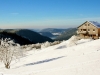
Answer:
(40, 14)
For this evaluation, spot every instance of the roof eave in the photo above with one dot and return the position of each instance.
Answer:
(94, 25)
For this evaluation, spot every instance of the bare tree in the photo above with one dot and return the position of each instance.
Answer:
(9, 51)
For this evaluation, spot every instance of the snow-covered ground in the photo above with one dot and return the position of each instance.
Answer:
(61, 59)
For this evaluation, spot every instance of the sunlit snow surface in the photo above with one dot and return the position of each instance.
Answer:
(80, 59)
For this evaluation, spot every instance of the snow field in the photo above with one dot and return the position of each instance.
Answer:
(80, 59)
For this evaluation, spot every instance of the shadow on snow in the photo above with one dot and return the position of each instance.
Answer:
(44, 61)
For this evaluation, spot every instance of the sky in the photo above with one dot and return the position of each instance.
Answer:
(39, 14)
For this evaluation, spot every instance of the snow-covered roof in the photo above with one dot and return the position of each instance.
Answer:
(95, 23)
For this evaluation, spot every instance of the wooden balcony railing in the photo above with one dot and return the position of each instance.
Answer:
(81, 32)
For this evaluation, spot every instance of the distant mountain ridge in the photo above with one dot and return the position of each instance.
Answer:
(67, 34)
(25, 34)
(52, 32)
(36, 30)
(48, 34)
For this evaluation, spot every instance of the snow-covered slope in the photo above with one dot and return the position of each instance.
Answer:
(81, 59)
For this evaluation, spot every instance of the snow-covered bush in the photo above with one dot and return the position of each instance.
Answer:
(39, 45)
(9, 51)
(55, 42)
(46, 44)
(31, 46)
(72, 41)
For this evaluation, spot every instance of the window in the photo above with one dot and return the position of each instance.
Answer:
(84, 29)
(88, 29)
(93, 29)
(88, 24)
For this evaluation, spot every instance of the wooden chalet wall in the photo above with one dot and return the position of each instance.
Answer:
(88, 30)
